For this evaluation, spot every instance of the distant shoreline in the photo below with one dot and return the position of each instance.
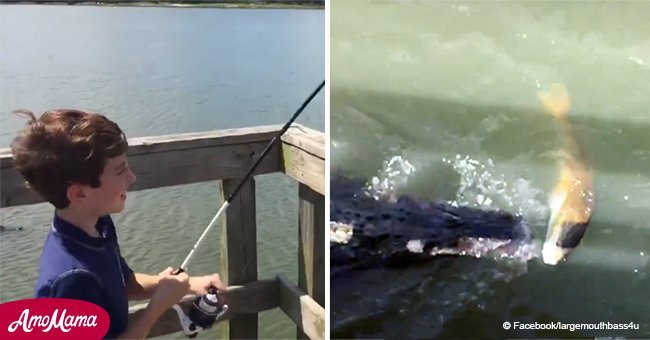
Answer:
(184, 4)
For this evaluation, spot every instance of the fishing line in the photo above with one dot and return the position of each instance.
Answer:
(225, 205)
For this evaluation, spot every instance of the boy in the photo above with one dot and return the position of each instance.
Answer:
(77, 161)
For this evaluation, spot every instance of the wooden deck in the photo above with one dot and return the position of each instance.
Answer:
(226, 155)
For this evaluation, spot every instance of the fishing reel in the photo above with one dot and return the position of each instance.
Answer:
(204, 312)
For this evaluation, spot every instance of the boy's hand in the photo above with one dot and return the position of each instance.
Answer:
(170, 289)
(199, 285)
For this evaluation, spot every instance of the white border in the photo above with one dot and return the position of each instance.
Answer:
(327, 168)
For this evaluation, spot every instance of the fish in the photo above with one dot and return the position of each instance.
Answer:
(572, 199)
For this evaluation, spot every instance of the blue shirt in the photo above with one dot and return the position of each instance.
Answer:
(75, 265)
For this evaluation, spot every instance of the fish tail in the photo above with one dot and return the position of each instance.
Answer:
(556, 101)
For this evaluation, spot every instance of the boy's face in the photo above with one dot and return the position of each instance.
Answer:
(110, 196)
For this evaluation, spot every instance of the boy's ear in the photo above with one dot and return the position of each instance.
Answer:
(75, 192)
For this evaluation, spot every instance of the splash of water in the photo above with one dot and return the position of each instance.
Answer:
(482, 187)
(394, 175)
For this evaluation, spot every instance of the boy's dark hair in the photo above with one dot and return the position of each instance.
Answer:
(64, 147)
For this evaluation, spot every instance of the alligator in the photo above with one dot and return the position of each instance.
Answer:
(368, 231)
(3, 228)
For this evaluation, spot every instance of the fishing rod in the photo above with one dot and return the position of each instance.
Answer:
(207, 308)
(225, 205)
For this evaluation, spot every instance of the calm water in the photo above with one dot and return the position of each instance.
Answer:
(448, 91)
(160, 71)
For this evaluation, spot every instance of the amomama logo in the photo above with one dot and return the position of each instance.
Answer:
(50, 318)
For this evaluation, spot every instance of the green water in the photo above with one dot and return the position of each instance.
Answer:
(450, 89)
(161, 71)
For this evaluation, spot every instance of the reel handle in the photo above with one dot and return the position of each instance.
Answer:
(211, 290)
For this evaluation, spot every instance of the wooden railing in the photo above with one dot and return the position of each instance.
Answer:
(226, 155)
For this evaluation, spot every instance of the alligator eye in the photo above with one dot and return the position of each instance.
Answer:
(370, 218)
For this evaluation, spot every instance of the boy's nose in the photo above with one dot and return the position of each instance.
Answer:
(132, 177)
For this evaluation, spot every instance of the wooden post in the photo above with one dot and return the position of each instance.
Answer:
(301, 309)
(311, 245)
(239, 252)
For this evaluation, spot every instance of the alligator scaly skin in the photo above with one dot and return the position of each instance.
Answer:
(369, 232)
